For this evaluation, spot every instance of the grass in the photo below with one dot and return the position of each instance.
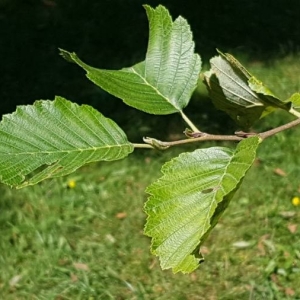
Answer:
(87, 242)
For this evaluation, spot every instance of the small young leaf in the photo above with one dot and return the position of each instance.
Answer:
(295, 99)
(266, 96)
(234, 90)
(187, 201)
(165, 81)
(58, 136)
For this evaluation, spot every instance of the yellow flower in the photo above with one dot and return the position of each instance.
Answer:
(296, 201)
(71, 184)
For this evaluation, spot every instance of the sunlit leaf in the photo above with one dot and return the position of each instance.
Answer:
(187, 201)
(54, 138)
(295, 99)
(165, 81)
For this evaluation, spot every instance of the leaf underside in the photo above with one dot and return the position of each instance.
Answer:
(187, 201)
(54, 138)
(164, 82)
(234, 90)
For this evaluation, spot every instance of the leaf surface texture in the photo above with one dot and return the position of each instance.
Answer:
(54, 138)
(164, 82)
(187, 201)
(234, 90)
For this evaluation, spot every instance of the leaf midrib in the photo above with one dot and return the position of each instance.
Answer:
(248, 91)
(65, 151)
(155, 89)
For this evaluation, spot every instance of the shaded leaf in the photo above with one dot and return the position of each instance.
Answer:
(234, 90)
(165, 81)
(231, 93)
(187, 201)
(54, 138)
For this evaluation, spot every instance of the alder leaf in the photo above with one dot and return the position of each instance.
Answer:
(234, 90)
(54, 138)
(164, 82)
(187, 201)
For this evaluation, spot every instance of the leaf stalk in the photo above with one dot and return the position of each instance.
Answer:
(294, 112)
(189, 122)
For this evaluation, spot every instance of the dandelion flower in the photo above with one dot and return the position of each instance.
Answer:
(296, 201)
(71, 184)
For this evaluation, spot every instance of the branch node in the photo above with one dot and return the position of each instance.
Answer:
(157, 144)
(192, 134)
(243, 134)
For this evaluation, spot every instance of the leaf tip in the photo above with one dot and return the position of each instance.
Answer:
(68, 56)
(65, 54)
(219, 52)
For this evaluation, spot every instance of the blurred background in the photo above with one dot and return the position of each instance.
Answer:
(113, 34)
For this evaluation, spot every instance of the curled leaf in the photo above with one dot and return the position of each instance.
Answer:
(234, 90)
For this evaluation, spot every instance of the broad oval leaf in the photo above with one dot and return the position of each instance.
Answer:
(54, 138)
(164, 82)
(187, 201)
(234, 90)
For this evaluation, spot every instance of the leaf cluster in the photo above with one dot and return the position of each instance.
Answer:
(54, 138)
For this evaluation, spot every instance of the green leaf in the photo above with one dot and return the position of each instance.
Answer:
(187, 201)
(295, 104)
(54, 138)
(234, 90)
(164, 82)
(264, 94)
(295, 100)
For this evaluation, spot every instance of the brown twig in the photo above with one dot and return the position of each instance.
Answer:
(201, 137)
(276, 130)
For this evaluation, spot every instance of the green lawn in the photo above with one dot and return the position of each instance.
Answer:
(87, 242)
